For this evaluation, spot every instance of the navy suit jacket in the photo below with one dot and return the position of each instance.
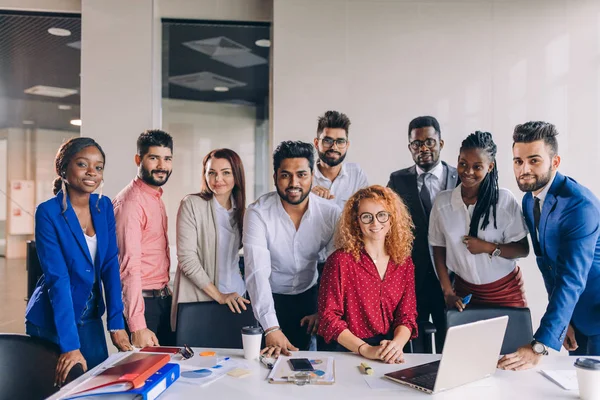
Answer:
(568, 255)
(59, 299)
(404, 182)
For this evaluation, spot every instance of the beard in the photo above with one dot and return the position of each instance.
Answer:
(330, 161)
(540, 182)
(284, 196)
(148, 176)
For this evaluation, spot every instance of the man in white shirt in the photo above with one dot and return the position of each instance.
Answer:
(284, 232)
(335, 180)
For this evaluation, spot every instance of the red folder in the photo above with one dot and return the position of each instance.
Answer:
(131, 371)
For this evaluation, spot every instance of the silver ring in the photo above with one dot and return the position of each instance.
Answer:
(236, 298)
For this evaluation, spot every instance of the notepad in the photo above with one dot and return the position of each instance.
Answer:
(566, 379)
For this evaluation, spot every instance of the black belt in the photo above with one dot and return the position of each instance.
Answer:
(162, 293)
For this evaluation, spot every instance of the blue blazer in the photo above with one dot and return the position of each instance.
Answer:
(568, 255)
(59, 299)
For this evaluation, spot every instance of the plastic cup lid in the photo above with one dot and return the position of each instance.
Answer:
(252, 330)
(588, 363)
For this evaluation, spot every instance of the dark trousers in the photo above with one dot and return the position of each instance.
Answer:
(430, 302)
(588, 345)
(158, 319)
(290, 309)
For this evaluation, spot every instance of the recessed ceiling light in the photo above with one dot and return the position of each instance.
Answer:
(50, 91)
(28, 122)
(76, 122)
(64, 107)
(263, 43)
(59, 32)
(221, 89)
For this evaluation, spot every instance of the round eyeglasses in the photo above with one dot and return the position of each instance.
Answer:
(367, 218)
(417, 144)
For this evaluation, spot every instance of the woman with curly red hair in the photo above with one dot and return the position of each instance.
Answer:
(367, 293)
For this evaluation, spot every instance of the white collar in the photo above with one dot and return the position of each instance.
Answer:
(438, 171)
(220, 207)
(542, 195)
(320, 175)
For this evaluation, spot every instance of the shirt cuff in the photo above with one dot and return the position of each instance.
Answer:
(136, 323)
(269, 320)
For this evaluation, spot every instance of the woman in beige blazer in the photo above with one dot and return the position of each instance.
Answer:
(209, 236)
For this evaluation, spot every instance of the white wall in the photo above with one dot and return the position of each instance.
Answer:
(475, 65)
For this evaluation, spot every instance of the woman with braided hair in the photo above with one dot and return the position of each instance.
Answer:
(477, 232)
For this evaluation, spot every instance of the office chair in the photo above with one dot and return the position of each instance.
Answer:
(34, 269)
(519, 331)
(210, 324)
(424, 342)
(28, 367)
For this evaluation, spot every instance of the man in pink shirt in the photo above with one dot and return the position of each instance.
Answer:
(141, 221)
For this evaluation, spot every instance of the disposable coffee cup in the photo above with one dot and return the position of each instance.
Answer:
(588, 378)
(251, 338)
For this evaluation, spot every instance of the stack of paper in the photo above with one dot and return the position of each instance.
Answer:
(567, 379)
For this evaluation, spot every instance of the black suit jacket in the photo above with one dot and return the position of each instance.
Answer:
(404, 182)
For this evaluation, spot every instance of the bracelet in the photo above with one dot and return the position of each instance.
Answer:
(267, 333)
(358, 350)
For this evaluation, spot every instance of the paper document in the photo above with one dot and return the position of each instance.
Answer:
(565, 378)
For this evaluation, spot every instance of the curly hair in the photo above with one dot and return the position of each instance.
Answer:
(399, 240)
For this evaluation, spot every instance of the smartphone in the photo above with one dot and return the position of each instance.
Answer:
(301, 364)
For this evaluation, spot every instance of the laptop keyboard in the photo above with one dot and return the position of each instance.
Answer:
(427, 381)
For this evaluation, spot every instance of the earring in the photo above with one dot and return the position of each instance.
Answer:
(101, 186)
(63, 187)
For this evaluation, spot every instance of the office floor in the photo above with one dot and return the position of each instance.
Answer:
(13, 289)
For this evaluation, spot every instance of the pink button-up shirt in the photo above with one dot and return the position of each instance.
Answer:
(143, 246)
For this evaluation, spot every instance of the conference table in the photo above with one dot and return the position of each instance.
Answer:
(352, 384)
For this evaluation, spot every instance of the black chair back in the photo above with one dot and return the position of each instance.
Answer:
(34, 269)
(519, 331)
(210, 324)
(27, 367)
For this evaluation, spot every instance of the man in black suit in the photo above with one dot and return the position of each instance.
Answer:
(417, 186)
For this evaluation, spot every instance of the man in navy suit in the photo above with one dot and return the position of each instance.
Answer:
(563, 218)
(418, 186)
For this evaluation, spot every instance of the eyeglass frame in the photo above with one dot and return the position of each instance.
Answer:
(336, 141)
(186, 352)
(417, 144)
(374, 217)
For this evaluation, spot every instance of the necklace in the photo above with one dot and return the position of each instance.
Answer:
(83, 228)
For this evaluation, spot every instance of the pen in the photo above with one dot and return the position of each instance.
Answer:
(465, 300)
(366, 368)
(266, 362)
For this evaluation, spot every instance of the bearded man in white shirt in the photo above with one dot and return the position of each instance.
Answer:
(284, 231)
(335, 180)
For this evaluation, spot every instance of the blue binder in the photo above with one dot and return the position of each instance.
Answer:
(153, 387)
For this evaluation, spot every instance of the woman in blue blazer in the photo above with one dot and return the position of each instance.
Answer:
(76, 244)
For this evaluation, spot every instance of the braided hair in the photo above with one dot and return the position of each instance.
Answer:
(487, 198)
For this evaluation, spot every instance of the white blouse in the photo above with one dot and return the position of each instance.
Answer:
(92, 244)
(228, 258)
(449, 222)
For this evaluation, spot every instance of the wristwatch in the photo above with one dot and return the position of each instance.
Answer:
(496, 251)
(539, 348)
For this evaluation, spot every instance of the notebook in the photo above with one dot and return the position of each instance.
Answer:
(128, 373)
(152, 388)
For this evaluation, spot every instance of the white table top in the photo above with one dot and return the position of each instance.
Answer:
(350, 383)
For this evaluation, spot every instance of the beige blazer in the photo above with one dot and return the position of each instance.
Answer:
(197, 243)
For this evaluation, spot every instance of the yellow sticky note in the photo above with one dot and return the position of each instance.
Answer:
(239, 373)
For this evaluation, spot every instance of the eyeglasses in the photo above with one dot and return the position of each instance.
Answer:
(186, 352)
(417, 144)
(367, 218)
(328, 142)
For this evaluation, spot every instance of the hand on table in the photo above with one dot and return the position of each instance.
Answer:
(143, 338)
(277, 343)
(121, 340)
(523, 358)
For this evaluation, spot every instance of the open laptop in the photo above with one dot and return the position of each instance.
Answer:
(470, 353)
